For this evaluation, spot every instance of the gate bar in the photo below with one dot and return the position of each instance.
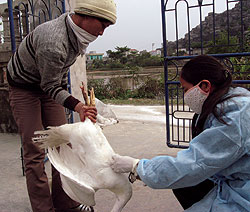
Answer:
(165, 70)
(12, 31)
(214, 55)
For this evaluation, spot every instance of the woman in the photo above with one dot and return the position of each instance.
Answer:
(218, 157)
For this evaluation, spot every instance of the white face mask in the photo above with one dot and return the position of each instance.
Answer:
(195, 98)
(83, 37)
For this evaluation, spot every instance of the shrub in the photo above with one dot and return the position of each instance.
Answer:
(99, 87)
(113, 89)
(151, 88)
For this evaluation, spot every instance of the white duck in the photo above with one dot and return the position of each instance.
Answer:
(85, 166)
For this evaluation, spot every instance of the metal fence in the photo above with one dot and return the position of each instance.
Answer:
(194, 27)
(25, 15)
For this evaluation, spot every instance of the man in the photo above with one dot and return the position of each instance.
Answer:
(37, 76)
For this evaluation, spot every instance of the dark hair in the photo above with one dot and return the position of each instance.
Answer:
(205, 67)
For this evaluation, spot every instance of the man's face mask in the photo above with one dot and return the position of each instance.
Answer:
(83, 37)
(195, 98)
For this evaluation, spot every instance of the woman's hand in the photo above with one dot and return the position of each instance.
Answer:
(86, 111)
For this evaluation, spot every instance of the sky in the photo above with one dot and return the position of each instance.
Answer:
(139, 24)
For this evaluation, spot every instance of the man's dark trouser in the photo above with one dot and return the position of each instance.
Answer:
(34, 110)
(190, 195)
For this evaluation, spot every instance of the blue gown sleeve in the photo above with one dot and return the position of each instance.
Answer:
(215, 149)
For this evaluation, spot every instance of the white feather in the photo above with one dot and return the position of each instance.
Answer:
(85, 166)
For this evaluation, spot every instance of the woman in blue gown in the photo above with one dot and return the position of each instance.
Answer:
(218, 156)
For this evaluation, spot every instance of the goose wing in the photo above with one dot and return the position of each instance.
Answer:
(75, 182)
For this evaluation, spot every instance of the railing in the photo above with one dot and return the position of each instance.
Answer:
(5, 44)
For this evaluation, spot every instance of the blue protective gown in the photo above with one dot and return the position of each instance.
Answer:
(220, 153)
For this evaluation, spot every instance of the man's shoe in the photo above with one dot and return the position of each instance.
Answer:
(83, 208)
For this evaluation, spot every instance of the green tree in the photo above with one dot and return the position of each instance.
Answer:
(112, 55)
(96, 64)
(242, 64)
(119, 55)
(123, 57)
(223, 44)
(247, 41)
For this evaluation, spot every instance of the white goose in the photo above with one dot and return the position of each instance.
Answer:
(85, 166)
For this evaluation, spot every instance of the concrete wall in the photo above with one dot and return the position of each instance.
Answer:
(78, 70)
(77, 76)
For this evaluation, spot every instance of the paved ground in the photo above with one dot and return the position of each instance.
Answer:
(140, 133)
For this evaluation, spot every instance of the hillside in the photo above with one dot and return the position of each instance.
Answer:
(228, 21)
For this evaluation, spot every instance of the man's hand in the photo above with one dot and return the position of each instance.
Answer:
(124, 164)
(86, 111)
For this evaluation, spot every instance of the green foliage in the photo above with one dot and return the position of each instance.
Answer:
(115, 65)
(145, 59)
(223, 44)
(96, 64)
(110, 90)
(113, 89)
(241, 68)
(196, 45)
(120, 55)
(151, 88)
(247, 42)
(135, 101)
(151, 61)
(123, 57)
(100, 88)
(242, 64)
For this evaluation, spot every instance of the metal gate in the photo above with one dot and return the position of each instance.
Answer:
(194, 27)
(26, 15)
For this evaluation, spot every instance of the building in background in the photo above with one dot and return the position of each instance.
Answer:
(92, 55)
(156, 52)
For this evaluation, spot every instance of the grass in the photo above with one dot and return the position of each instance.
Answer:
(132, 101)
